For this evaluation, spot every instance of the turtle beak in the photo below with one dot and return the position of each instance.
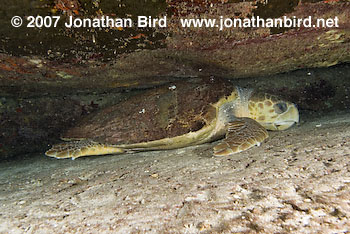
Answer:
(286, 119)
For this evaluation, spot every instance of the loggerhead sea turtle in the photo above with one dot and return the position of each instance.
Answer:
(180, 115)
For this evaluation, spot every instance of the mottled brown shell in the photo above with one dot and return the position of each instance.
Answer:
(164, 112)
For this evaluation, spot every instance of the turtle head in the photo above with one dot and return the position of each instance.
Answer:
(272, 112)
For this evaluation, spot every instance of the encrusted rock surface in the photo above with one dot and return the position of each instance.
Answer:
(118, 58)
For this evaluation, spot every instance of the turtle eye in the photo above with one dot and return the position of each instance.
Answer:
(280, 107)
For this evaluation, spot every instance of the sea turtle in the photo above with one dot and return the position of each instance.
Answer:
(178, 115)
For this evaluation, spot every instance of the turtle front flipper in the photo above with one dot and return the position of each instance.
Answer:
(242, 134)
(76, 149)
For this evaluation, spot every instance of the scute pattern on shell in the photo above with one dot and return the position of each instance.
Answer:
(159, 113)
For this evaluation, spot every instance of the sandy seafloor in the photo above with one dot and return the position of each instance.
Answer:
(298, 181)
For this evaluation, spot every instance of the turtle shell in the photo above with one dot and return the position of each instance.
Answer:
(163, 112)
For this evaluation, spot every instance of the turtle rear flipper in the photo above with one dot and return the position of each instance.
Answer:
(241, 135)
(75, 149)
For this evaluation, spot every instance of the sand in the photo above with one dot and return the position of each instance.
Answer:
(298, 181)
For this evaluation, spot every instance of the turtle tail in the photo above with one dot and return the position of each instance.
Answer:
(76, 149)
